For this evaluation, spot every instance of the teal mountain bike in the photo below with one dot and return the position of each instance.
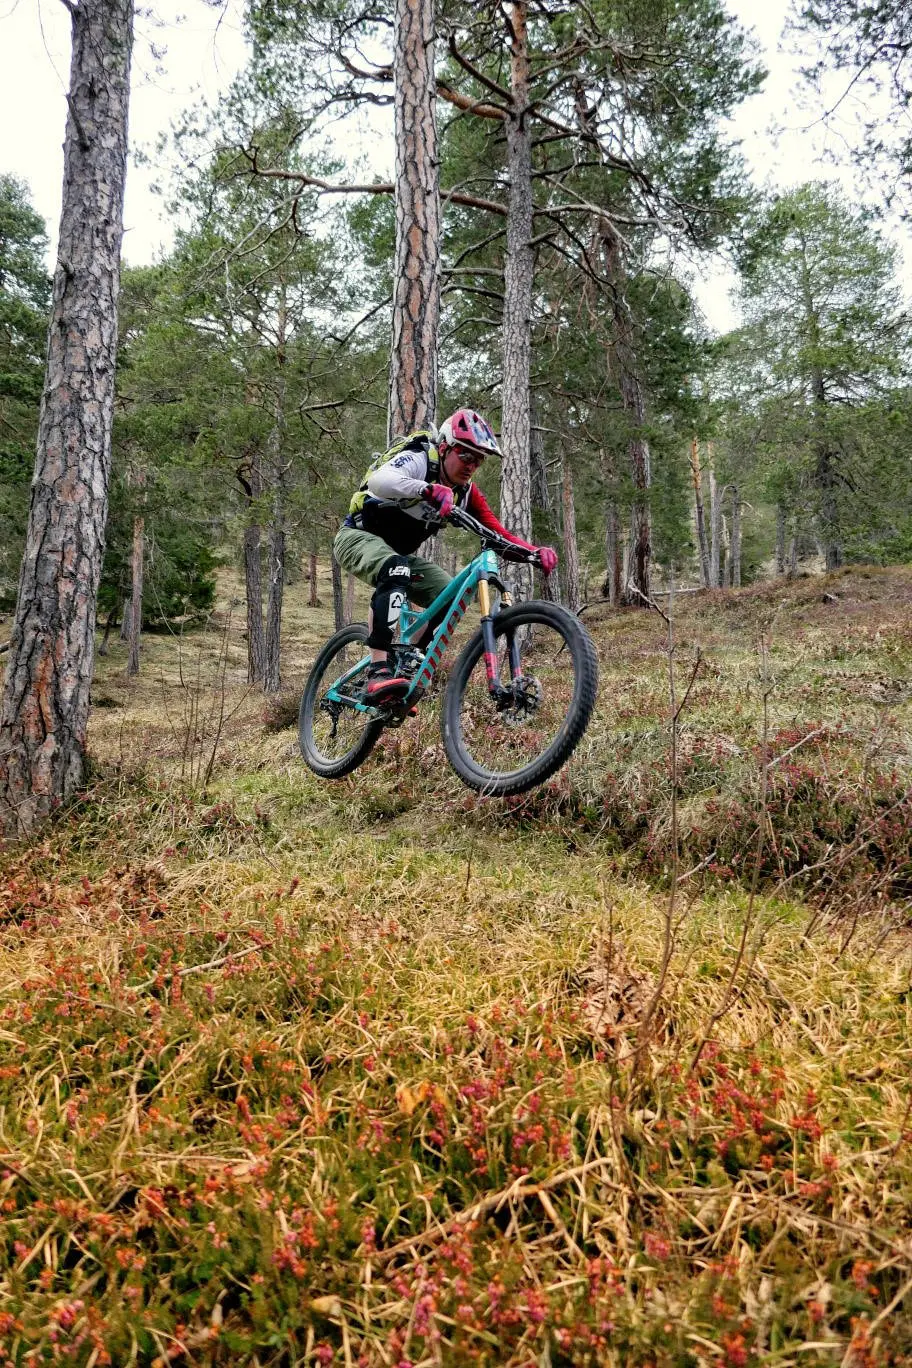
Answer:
(517, 700)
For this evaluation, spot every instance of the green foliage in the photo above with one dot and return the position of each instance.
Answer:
(814, 384)
(24, 307)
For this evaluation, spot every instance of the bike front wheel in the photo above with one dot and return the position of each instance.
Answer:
(512, 744)
(333, 734)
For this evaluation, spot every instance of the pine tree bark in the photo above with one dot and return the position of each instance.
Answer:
(349, 599)
(515, 492)
(46, 698)
(611, 589)
(715, 526)
(570, 547)
(136, 598)
(313, 600)
(416, 295)
(272, 676)
(112, 618)
(696, 476)
(338, 596)
(253, 571)
(736, 537)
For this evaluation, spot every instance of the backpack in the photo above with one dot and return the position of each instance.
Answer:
(427, 438)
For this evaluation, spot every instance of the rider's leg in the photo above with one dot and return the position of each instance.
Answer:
(391, 590)
(370, 559)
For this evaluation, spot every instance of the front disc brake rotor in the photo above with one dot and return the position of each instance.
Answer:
(527, 695)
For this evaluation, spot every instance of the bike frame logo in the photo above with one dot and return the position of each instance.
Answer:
(443, 639)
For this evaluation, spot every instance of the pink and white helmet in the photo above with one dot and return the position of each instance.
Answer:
(466, 428)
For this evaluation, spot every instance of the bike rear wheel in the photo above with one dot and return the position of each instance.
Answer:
(512, 747)
(333, 735)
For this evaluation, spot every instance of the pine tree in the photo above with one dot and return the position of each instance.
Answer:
(46, 698)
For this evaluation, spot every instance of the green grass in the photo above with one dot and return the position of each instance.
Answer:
(377, 1072)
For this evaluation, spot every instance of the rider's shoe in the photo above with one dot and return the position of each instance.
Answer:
(383, 686)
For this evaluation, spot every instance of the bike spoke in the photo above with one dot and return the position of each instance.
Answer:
(504, 739)
(335, 734)
(337, 726)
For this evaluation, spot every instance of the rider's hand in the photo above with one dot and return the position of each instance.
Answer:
(441, 496)
(547, 559)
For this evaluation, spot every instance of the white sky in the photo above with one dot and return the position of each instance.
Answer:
(204, 48)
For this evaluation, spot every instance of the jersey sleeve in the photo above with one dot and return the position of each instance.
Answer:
(478, 506)
(402, 477)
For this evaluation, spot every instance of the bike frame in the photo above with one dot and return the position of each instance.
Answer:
(472, 581)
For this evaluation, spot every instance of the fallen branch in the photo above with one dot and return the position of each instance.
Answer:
(199, 968)
(518, 1191)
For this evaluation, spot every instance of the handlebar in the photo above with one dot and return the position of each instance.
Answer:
(507, 550)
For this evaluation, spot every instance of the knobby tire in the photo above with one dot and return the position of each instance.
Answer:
(324, 673)
(577, 655)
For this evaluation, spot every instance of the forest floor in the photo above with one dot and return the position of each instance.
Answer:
(380, 1072)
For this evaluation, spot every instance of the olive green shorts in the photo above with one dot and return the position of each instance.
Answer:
(362, 554)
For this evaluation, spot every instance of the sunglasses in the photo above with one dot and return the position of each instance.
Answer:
(469, 458)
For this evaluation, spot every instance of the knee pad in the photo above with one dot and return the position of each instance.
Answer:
(390, 593)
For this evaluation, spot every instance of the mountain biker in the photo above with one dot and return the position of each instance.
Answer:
(400, 503)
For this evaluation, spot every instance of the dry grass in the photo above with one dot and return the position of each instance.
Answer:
(303, 1073)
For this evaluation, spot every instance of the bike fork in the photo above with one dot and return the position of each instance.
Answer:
(495, 687)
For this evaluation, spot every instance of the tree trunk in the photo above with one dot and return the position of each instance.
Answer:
(825, 465)
(634, 401)
(125, 619)
(272, 680)
(538, 469)
(313, 600)
(696, 476)
(349, 598)
(416, 300)
(825, 476)
(541, 499)
(338, 597)
(139, 546)
(515, 491)
(253, 572)
(571, 550)
(715, 523)
(736, 537)
(46, 699)
(725, 542)
(112, 619)
(611, 589)
(780, 539)
(793, 556)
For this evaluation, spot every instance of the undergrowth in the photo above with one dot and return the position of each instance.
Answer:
(295, 1073)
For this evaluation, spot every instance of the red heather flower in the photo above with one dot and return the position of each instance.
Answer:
(536, 1306)
(861, 1270)
(736, 1352)
(657, 1247)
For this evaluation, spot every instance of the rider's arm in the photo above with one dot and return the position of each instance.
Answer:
(404, 477)
(478, 506)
